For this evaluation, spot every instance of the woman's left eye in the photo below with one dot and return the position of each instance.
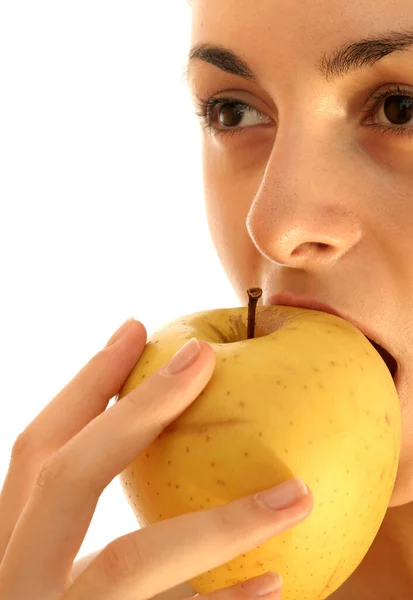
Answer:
(395, 114)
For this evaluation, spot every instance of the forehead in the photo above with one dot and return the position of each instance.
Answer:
(275, 30)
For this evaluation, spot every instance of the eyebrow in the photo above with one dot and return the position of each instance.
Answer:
(348, 58)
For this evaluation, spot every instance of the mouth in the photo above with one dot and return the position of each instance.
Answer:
(390, 361)
(291, 300)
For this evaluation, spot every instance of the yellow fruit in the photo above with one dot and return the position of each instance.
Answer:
(309, 396)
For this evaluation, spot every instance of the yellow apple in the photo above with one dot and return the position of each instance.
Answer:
(308, 396)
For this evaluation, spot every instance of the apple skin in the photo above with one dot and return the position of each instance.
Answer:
(309, 396)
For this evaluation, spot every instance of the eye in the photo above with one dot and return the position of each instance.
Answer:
(398, 110)
(392, 112)
(228, 115)
(238, 114)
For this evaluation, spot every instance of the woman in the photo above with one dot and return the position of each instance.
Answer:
(307, 109)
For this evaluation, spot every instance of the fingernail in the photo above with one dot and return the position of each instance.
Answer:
(283, 496)
(263, 585)
(120, 332)
(184, 358)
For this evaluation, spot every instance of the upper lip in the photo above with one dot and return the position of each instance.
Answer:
(288, 299)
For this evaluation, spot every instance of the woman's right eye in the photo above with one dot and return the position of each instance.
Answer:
(229, 115)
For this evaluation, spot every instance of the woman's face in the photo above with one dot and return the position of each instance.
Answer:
(308, 174)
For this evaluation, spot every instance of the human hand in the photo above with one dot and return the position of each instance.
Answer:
(61, 463)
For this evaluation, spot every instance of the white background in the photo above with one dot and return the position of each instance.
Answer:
(101, 198)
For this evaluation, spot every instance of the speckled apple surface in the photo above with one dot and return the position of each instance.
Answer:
(308, 397)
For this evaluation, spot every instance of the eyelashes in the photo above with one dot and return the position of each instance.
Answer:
(206, 109)
(207, 112)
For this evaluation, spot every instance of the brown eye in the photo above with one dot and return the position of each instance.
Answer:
(398, 110)
(232, 115)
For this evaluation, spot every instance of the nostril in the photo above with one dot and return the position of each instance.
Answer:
(308, 247)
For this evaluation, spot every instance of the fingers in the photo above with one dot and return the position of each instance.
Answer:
(84, 398)
(82, 563)
(149, 561)
(54, 523)
(268, 585)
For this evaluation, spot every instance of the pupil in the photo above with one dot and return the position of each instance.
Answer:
(230, 115)
(399, 109)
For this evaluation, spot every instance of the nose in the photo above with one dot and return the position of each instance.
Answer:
(304, 217)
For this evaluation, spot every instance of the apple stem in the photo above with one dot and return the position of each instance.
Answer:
(254, 295)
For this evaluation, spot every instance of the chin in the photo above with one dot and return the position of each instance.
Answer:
(403, 487)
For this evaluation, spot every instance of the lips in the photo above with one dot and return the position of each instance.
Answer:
(286, 299)
(390, 361)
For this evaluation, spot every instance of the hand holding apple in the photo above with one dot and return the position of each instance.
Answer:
(308, 396)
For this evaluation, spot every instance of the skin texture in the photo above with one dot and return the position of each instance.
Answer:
(313, 172)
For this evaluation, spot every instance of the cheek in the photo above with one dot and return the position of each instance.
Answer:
(392, 155)
(232, 179)
(228, 200)
(227, 217)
